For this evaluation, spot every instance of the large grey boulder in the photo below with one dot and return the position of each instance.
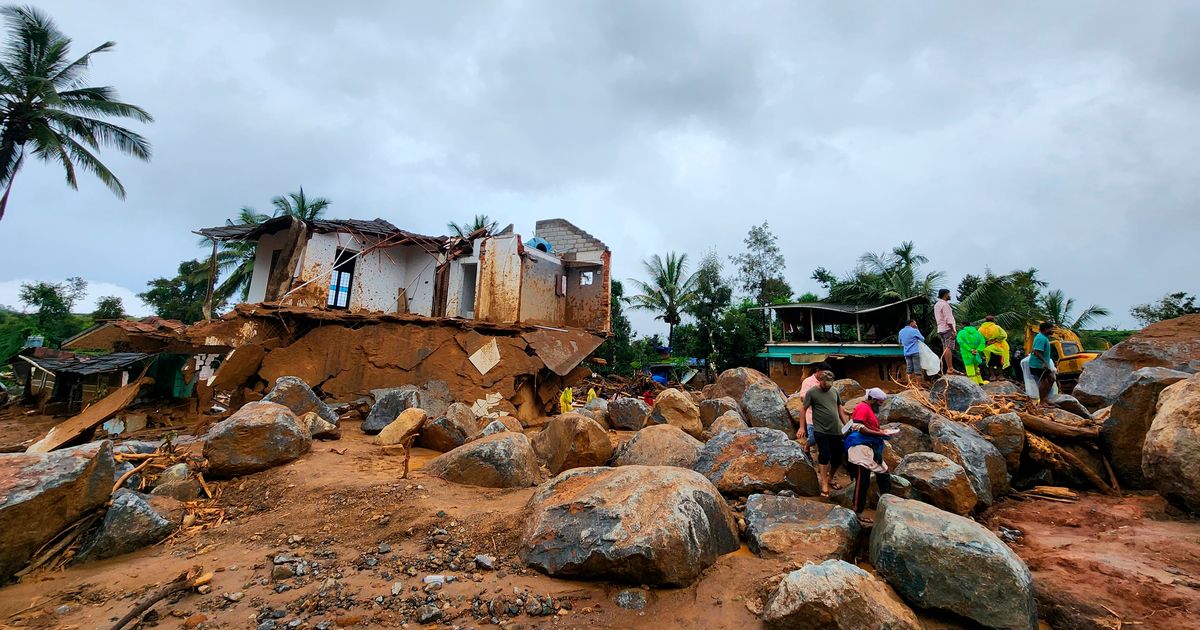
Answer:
(1173, 344)
(801, 528)
(938, 481)
(133, 521)
(1171, 452)
(1007, 433)
(713, 408)
(1070, 403)
(570, 441)
(1124, 432)
(598, 407)
(957, 392)
(938, 560)
(676, 408)
(502, 460)
(295, 394)
(906, 408)
(764, 405)
(729, 421)
(258, 436)
(983, 462)
(756, 460)
(433, 397)
(449, 431)
(836, 595)
(43, 493)
(658, 525)
(849, 389)
(659, 445)
(628, 414)
(908, 439)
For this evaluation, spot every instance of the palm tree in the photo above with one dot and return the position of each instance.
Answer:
(299, 206)
(669, 291)
(1013, 298)
(481, 222)
(886, 277)
(44, 100)
(1059, 310)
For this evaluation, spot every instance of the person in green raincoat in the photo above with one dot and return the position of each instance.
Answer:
(971, 343)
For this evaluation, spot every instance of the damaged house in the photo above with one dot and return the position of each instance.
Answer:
(351, 306)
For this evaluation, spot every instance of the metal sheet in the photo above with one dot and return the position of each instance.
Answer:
(562, 351)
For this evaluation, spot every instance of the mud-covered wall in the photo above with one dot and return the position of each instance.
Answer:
(540, 303)
(588, 303)
(263, 250)
(498, 294)
(420, 271)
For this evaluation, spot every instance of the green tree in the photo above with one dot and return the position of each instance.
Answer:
(712, 297)
(1171, 305)
(741, 336)
(53, 302)
(968, 284)
(181, 297)
(760, 267)
(1014, 298)
(617, 350)
(480, 222)
(1060, 310)
(109, 307)
(45, 103)
(669, 291)
(298, 205)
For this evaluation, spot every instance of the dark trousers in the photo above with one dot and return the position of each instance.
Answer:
(862, 485)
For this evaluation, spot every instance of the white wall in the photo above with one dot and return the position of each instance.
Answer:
(454, 286)
(262, 264)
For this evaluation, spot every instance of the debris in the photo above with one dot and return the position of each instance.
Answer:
(94, 415)
(185, 581)
(486, 357)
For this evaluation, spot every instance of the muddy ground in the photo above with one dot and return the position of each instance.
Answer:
(365, 533)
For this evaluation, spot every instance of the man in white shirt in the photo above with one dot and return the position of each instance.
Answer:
(947, 328)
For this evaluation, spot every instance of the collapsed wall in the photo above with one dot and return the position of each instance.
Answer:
(346, 355)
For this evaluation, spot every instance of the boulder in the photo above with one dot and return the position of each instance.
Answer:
(1173, 344)
(1067, 402)
(659, 445)
(938, 481)
(844, 496)
(599, 410)
(1171, 452)
(410, 423)
(756, 460)
(764, 405)
(388, 405)
(795, 408)
(1006, 432)
(318, 427)
(733, 382)
(676, 408)
(957, 392)
(499, 425)
(295, 394)
(803, 528)
(627, 413)
(906, 408)
(1003, 388)
(449, 431)
(258, 436)
(836, 595)
(43, 493)
(909, 439)
(503, 460)
(850, 405)
(133, 521)
(729, 421)
(849, 389)
(939, 560)
(657, 525)
(714, 408)
(985, 466)
(1124, 431)
(177, 482)
(572, 441)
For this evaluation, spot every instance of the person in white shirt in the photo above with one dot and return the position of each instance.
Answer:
(947, 328)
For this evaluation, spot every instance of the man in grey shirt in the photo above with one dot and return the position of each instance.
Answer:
(828, 418)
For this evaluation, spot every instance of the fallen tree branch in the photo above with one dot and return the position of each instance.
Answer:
(1049, 428)
(129, 473)
(1049, 453)
(185, 581)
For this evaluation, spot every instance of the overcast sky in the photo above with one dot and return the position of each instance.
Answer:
(1056, 135)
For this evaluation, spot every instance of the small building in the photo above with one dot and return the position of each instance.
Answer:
(859, 342)
(65, 382)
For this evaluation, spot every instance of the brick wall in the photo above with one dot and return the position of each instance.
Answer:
(566, 238)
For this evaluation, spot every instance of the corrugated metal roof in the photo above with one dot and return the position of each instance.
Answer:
(373, 227)
(86, 365)
(849, 309)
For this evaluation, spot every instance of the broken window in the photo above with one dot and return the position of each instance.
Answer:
(585, 278)
(341, 280)
(275, 253)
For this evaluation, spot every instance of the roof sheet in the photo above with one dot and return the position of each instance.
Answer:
(86, 365)
(849, 309)
(373, 227)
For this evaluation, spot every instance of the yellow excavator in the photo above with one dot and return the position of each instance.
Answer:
(1066, 349)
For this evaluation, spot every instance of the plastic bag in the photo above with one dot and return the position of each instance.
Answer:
(1031, 384)
(930, 363)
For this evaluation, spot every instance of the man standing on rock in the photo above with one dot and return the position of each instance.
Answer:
(947, 328)
(1041, 364)
(810, 440)
(828, 417)
(911, 339)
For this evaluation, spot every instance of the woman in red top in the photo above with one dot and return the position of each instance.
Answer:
(864, 450)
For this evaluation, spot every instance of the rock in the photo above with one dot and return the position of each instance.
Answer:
(836, 595)
(258, 436)
(1122, 435)
(1003, 388)
(388, 405)
(1067, 402)
(764, 405)
(1173, 344)
(808, 529)
(631, 598)
(43, 493)
(676, 408)
(957, 392)
(450, 431)
(186, 489)
(627, 413)
(729, 421)
(850, 405)
(572, 441)
(1171, 452)
(906, 409)
(659, 445)
(795, 408)
(133, 521)
(599, 408)
(756, 460)
(939, 481)
(909, 439)
(503, 460)
(657, 525)
(734, 382)
(849, 388)
(318, 428)
(499, 425)
(985, 466)
(133, 482)
(713, 408)
(428, 613)
(1006, 432)
(410, 422)
(295, 394)
(844, 496)
(938, 560)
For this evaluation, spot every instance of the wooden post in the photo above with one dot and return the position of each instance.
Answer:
(857, 328)
(770, 328)
(212, 279)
